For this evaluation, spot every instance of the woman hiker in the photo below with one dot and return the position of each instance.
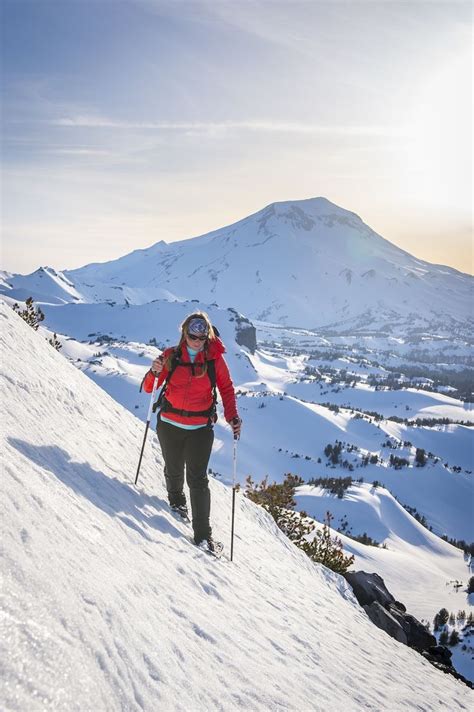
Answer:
(190, 373)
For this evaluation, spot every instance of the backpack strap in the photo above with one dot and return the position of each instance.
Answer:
(174, 364)
(211, 372)
(165, 405)
(143, 379)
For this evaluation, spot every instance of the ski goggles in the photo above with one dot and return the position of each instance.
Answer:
(197, 329)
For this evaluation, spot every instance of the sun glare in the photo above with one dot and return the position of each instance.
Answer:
(438, 155)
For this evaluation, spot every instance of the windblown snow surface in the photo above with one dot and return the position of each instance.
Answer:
(107, 605)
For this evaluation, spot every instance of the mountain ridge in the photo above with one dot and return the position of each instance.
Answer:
(306, 263)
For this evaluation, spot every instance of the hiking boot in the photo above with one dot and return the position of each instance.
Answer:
(181, 509)
(210, 545)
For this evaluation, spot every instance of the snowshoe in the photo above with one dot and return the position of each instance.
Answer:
(210, 546)
(181, 510)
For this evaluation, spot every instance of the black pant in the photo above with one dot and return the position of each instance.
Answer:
(192, 448)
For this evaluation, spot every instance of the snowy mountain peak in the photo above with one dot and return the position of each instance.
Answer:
(311, 206)
(307, 263)
(305, 214)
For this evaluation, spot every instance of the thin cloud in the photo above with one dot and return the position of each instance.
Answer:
(221, 126)
(79, 152)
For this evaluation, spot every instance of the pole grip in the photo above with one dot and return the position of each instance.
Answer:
(152, 399)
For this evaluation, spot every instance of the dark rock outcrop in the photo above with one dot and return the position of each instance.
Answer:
(386, 612)
(400, 606)
(440, 657)
(384, 620)
(391, 616)
(247, 336)
(369, 588)
(245, 332)
(417, 635)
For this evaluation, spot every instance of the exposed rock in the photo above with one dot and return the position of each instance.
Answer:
(384, 620)
(245, 332)
(391, 616)
(247, 336)
(440, 657)
(369, 588)
(440, 653)
(417, 635)
(400, 606)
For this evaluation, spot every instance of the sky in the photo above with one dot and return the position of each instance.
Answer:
(129, 122)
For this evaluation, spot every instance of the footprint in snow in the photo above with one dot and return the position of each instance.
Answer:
(202, 634)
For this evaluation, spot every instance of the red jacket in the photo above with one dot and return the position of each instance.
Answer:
(186, 391)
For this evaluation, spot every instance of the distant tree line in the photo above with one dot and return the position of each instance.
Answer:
(460, 380)
(444, 618)
(461, 544)
(335, 485)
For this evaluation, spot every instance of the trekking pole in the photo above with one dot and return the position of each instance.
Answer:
(155, 384)
(233, 499)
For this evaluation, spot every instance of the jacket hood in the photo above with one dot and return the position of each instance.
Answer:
(216, 348)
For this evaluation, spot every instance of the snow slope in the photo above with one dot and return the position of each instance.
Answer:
(407, 403)
(156, 322)
(417, 566)
(45, 285)
(107, 606)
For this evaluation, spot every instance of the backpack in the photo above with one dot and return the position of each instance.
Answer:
(165, 406)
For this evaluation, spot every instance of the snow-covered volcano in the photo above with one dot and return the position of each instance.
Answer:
(308, 263)
(107, 605)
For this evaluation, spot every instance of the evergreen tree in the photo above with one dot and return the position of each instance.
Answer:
(325, 550)
(452, 619)
(32, 315)
(278, 500)
(443, 616)
(453, 638)
(470, 585)
(443, 638)
(420, 457)
(274, 497)
(55, 343)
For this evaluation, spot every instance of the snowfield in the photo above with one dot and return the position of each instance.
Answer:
(418, 567)
(291, 435)
(408, 403)
(108, 606)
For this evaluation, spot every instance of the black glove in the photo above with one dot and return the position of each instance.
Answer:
(236, 425)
